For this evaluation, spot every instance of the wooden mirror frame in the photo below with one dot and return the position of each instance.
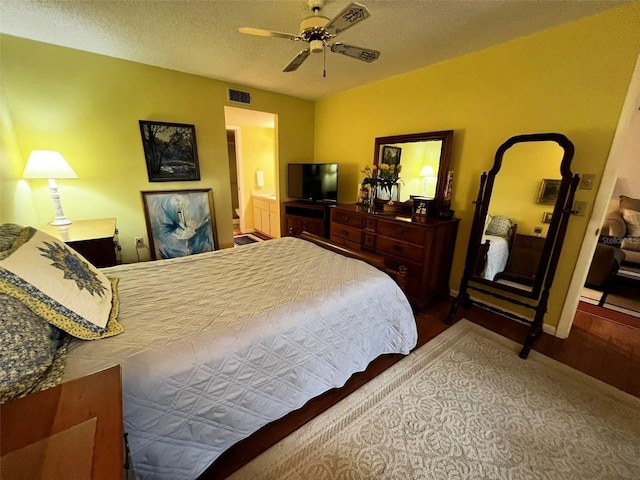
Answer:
(538, 297)
(552, 239)
(446, 136)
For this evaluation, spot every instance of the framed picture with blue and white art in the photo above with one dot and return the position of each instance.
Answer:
(180, 222)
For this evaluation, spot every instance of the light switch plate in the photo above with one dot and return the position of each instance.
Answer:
(579, 207)
(587, 180)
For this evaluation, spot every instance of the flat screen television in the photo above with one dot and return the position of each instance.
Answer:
(313, 182)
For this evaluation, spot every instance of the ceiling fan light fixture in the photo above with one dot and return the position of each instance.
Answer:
(316, 46)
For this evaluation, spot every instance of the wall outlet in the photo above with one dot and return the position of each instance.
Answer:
(579, 207)
(139, 242)
(587, 180)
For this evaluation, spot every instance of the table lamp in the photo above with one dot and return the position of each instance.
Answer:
(50, 165)
(427, 173)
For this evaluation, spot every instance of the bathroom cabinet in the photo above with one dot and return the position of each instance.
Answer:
(266, 219)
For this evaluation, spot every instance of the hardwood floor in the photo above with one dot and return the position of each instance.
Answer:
(606, 350)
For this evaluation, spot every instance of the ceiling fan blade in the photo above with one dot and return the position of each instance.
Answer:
(364, 54)
(296, 62)
(267, 33)
(348, 17)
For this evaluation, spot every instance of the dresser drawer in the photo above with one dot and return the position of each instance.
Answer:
(414, 270)
(344, 242)
(369, 240)
(406, 233)
(346, 232)
(347, 218)
(370, 223)
(400, 249)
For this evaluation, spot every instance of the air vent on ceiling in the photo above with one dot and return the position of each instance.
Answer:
(239, 96)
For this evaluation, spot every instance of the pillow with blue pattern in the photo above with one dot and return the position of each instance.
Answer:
(60, 285)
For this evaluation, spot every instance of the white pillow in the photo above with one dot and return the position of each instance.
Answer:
(59, 285)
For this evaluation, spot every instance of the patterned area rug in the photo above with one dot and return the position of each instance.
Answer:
(245, 239)
(466, 406)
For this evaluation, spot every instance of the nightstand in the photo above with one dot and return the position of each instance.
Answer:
(73, 427)
(93, 239)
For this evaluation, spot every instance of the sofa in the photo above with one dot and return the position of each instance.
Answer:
(621, 228)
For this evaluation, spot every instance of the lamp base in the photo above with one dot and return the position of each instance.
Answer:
(60, 221)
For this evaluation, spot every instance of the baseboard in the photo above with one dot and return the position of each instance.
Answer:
(546, 328)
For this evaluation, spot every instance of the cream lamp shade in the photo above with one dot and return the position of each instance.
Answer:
(50, 165)
(427, 171)
(428, 182)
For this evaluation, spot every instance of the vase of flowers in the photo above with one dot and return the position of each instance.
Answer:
(370, 185)
(388, 178)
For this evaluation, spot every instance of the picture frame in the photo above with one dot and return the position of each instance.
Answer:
(170, 151)
(180, 222)
(546, 217)
(549, 190)
(391, 155)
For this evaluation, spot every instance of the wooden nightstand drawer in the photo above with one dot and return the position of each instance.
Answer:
(404, 232)
(93, 239)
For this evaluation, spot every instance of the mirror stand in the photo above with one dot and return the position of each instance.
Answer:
(533, 296)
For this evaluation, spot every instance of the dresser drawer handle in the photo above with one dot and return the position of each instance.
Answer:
(345, 218)
(345, 233)
(399, 231)
(397, 248)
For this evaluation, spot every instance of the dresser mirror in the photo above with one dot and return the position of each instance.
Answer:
(522, 209)
(424, 160)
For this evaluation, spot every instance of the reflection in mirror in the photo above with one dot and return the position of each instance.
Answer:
(424, 162)
(420, 166)
(514, 229)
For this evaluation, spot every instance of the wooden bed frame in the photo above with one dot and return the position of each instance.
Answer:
(400, 276)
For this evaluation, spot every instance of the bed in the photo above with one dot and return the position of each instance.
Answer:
(219, 344)
(495, 246)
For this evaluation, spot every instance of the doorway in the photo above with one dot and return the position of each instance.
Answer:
(253, 165)
(233, 180)
(622, 145)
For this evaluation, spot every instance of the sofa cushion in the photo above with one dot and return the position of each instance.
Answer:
(631, 243)
(632, 219)
(628, 203)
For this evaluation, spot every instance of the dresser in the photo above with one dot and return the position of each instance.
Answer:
(73, 427)
(425, 247)
(93, 239)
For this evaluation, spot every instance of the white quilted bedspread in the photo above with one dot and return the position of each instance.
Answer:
(219, 344)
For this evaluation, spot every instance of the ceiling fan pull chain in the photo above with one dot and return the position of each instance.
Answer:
(324, 63)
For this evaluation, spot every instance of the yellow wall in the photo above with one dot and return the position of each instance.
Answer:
(571, 79)
(517, 185)
(258, 152)
(87, 107)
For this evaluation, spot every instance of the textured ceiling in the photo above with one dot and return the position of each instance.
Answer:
(201, 37)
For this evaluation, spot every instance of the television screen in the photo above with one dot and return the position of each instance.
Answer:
(316, 182)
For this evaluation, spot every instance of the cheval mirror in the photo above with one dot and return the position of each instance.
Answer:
(522, 210)
(424, 158)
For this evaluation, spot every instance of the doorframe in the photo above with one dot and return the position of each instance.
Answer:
(630, 108)
(238, 144)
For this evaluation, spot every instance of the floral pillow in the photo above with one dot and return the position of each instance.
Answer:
(60, 286)
(499, 226)
(32, 351)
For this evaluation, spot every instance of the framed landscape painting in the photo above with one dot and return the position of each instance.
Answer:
(180, 222)
(170, 151)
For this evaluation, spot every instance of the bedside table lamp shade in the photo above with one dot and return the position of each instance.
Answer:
(50, 165)
(428, 175)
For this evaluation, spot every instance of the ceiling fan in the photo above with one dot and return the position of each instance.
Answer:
(318, 31)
